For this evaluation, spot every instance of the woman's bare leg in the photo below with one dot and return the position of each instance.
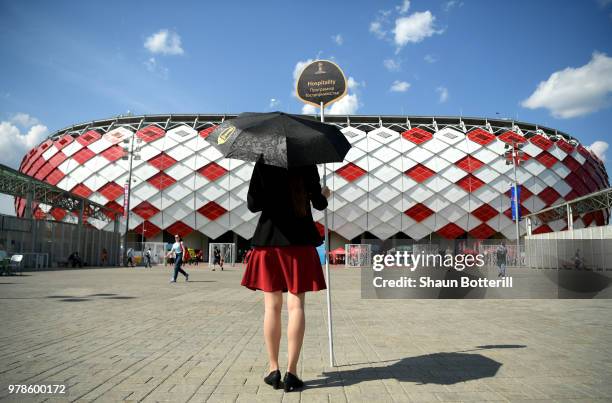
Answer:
(295, 329)
(273, 302)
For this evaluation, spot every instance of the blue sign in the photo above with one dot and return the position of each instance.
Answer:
(516, 206)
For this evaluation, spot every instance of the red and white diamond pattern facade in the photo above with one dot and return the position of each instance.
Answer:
(450, 181)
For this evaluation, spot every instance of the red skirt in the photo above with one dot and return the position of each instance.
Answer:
(296, 269)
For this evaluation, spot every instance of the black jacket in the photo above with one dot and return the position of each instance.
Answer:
(279, 224)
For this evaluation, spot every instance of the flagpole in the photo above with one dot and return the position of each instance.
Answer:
(327, 277)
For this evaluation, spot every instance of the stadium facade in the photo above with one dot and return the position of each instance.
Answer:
(407, 177)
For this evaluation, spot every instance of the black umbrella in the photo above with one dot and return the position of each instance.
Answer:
(281, 139)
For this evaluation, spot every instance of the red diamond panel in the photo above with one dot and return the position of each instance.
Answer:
(584, 152)
(469, 163)
(83, 155)
(55, 177)
(162, 161)
(148, 229)
(39, 214)
(542, 229)
(480, 136)
(522, 209)
(485, 212)
(451, 231)
(549, 196)
(587, 219)
(36, 166)
(420, 173)
(115, 207)
(161, 180)
(58, 213)
(510, 137)
(571, 163)
(150, 133)
(45, 146)
(418, 212)
(546, 159)
(81, 190)
(212, 171)
(350, 172)
(417, 135)
(206, 132)
(89, 137)
(57, 159)
(44, 171)
(146, 210)
(541, 142)
(565, 146)
(111, 191)
(212, 210)
(113, 153)
(179, 228)
(483, 231)
(470, 183)
(64, 141)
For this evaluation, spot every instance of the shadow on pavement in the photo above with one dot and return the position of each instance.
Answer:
(437, 368)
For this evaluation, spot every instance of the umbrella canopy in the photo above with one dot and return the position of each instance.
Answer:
(280, 139)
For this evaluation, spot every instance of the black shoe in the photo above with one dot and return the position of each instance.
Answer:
(292, 382)
(274, 379)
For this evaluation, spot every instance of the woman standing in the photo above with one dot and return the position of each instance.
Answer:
(179, 249)
(284, 257)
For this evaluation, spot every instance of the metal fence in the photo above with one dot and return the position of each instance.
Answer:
(50, 243)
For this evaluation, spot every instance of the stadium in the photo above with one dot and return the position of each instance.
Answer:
(406, 177)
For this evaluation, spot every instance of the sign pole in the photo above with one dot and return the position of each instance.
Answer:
(327, 277)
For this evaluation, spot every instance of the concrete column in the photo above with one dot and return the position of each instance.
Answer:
(570, 218)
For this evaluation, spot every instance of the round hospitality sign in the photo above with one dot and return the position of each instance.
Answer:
(321, 81)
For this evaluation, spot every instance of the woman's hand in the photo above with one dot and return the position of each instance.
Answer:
(326, 192)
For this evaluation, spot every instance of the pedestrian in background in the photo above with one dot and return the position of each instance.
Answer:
(178, 248)
(148, 258)
(130, 257)
(501, 255)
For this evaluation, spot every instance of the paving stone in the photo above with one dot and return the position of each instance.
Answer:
(129, 335)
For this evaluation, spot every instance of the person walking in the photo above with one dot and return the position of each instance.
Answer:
(501, 257)
(148, 258)
(284, 258)
(178, 248)
(130, 257)
(217, 259)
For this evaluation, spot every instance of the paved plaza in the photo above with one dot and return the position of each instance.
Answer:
(129, 335)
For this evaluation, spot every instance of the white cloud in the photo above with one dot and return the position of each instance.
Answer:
(154, 67)
(164, 42)
(274, 103)
(377, 29)
(15, 143)
(430, 58)
(449, 5)
(392, 65)
(399, 86)
(599, 148)
(414, 28)
(24, 120)
(403, 8)
(443, 91)
(573, 92)
(338, 39)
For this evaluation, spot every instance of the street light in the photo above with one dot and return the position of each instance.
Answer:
(514, 156)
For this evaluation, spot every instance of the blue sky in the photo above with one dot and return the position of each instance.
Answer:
(67, 62)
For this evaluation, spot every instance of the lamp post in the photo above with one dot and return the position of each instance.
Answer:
(513, 157)
(129, 154)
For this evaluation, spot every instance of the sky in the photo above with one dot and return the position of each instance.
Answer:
(547, 62)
